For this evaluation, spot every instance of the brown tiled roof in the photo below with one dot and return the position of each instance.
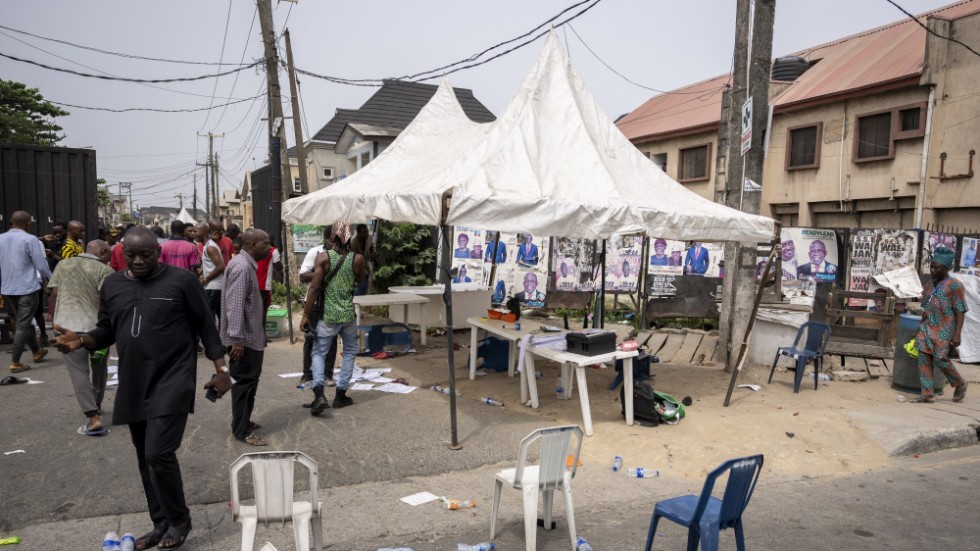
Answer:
(892, 54)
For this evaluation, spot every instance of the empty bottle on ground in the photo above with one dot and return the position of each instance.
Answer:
(560, 387)
(453, 504)
(491, 402)
(617, 463)
(485, 546)
(442, 389)
(111, 542)
(581, 544)
(128, 542)
(640, 472)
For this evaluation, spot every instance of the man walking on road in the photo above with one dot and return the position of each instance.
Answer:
(243, 333)
(75, 287)
(154, 314)
(177, 251)
(944, 309)
(335, 275)
(21, 259)
(306, 276)
(212, 267)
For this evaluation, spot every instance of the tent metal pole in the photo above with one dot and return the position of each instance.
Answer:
(773, 251)
(447, 297)
(601, 308)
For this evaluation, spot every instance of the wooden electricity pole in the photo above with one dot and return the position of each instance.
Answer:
(297, 127)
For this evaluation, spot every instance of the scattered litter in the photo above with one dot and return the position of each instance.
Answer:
(33, 382)
(755, 388)
(112, 369)
(454, 504)
(442, 389)
(13, 452)
(291, 375)
(10, 541)
(11, 380)
(491, 402)
(687, 401)
(114, 358)
(419, 498)
(362, 386)
(570, 460)
(790, 434)
(481, 372)
(901, 398)
(401, 381)
(917, 455)
(113, 381)
(823, 376)
(380, 380)
(796, 413)
(395, 388)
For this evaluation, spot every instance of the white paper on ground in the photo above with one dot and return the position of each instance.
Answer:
(379, 380)
(112, 369)
(396, 388)
(755, 388)
(22, 451)
(32, 381)
(419, 498)
(291, 375)
(362, 386)
(113, 357)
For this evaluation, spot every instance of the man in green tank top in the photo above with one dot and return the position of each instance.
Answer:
(335, 275)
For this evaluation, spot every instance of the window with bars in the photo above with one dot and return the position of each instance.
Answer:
(694, 163)
(874, 136)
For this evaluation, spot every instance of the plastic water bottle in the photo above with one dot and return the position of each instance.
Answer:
(97, 356)
(442, 389)
(560, 388)
(111, 542)
(617, 463)
(491, 402)
(581, 544)
(454, 504)
(640, 472)
(484, 546)
(128, 542)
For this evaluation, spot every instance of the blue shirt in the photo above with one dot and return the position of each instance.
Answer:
(21, 259)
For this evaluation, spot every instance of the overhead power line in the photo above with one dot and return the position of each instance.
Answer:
(930, 31)
(107, 52)
(221, 58)
(125, 79)
(153, 109)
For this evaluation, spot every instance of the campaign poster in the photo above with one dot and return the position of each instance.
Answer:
(930, 242)
(306, 236)
(467, 257)
(524, 271)
(815, 254)
(623, 263)
(860, 280)
(666, 264)
(862, 263)
(968, 258)
(894, 249)
(579, 257)
(704, 259)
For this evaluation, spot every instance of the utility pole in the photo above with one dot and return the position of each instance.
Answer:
(180, 197)
(129, 191)
(210, 176)
(297, 127)
(753, 60)
(195, 196)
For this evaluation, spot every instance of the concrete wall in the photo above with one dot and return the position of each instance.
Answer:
(671, 148)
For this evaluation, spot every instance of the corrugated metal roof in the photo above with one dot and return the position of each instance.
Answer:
(886, 54)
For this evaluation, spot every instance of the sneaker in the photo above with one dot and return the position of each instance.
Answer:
(17, 367)
(342, 401)
(331, 382)
(319, 405)
(960, 393)
(40, 354)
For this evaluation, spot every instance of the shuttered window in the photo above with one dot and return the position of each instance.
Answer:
(694, 163)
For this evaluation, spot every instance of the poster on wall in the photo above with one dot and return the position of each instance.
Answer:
(894, 249)
(306, 236)
(931, 241)
(574, 262)
(968, 258)
(862, 264)
(467, 257)
(623, 263)
(814, 254)
(704, 259)
(666, 264)
(523, 271)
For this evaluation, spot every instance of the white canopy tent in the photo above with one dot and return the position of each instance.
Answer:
(552, 164)
(185, 217)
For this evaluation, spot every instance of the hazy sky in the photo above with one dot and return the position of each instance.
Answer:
(660, 44)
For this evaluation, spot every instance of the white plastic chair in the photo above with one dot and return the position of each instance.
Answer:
(550, 474)
(272, 477)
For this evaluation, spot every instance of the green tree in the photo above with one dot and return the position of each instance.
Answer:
(25, 117)
(402, 256)
(102, 195)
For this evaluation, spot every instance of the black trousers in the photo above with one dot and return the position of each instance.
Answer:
(156, 441)
(308, 341)
(214, 302)
(23, 308)
(245, 372)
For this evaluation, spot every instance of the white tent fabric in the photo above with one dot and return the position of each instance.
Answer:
(552, 164)
(185, 217)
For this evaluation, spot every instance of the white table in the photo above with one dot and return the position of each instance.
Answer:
(394, 299)
(568, 360)
(469, 300)
(499, 328)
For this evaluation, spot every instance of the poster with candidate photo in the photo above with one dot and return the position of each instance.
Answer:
(815, 255)
(930, 242)
(704, 259)
(523, 254)
(580, 257)
(666, 263)
(467, 257)
(623, 263)
(968, 256)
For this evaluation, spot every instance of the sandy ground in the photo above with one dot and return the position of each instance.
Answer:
(805, 434)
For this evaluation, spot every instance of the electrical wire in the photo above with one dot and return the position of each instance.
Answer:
(930, 31)
(221, 58)
(125, 79)
(107, 52)
(152, 109)
(234, 83)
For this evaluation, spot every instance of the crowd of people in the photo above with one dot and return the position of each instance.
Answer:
(161, 301)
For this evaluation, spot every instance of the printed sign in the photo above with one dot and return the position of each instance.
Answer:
(747, 126)
(306, 236)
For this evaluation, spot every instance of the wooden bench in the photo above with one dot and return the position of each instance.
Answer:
(860, 333)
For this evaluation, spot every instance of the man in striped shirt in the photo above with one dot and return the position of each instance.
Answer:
(73, 244)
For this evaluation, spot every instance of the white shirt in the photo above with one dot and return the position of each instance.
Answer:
(309, 262)
(268, 275)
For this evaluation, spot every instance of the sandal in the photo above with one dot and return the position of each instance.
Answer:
(255, 440)
(178, 535)
(924, 400)
(150, 539)
(960, 393)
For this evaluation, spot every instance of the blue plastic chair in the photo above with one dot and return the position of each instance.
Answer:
(384, 335)
(817, 336)
(706, 516)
